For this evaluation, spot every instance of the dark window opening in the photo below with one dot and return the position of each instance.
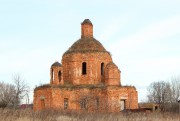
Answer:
(156, 107)
(65, 103)
(83, 104)
(59, 76)
(102, 68)
(52, 75)
(84, 68)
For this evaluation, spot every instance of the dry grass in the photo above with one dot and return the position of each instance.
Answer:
(50, 115)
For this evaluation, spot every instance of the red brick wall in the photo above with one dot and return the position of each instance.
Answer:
(112, 74)
(86, 30)
(109, 98)
(42, 94)
(72, 67)
(132, 103)
(115, 94)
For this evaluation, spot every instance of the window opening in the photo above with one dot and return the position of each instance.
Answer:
(52, 74)
(84, 68)
(156, 107)
(122, 105)
(84, 104)
(65, 103)
(102, 68)
(59, 76)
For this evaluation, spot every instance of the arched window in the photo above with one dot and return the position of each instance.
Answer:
(59, 76)
(102, 68)
(84, 68)
(52, 75)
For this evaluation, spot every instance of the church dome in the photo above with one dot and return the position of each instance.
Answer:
(56, 64)
(86, 45)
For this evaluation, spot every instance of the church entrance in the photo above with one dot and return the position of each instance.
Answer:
(122, 105)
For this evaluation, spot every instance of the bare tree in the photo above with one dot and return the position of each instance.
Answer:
(12, 94)
(22, 89)
(165, 93)
(175, 93)
(160, 93)
(175, 89)
(7, 94)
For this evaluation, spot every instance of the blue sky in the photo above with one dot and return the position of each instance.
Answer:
(142, 36)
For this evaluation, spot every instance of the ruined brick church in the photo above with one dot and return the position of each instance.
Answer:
(86, 80)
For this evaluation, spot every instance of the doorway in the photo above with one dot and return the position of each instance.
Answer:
(122, 105)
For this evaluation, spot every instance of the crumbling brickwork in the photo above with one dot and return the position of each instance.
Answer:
(87, 80)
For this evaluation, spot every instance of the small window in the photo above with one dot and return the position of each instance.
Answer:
(84, 104)
(84, 68)
(156, 107)
(65, 103)
(59, 76)
(52, 76)
(102, 68)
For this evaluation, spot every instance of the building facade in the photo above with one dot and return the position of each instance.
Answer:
(87, 80)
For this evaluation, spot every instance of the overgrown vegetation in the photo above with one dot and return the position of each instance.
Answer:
(52, 115)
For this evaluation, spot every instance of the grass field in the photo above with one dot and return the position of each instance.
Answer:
(29, 115)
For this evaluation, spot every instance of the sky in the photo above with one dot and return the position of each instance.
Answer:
(143, 37)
